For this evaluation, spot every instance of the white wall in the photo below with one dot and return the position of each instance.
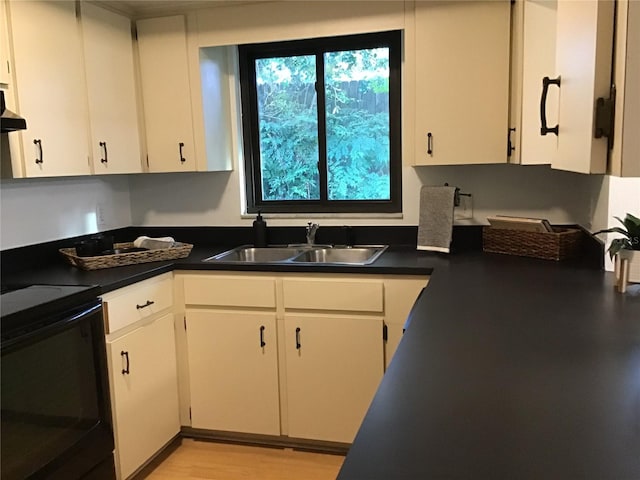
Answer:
(215, 198)
(41, 210)
(617, 197)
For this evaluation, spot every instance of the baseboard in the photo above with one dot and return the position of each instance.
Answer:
(157, 459)
(272, 441)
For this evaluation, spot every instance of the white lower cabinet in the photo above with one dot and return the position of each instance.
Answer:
(233, 367)
(143, 375)
(333, 366)
(297, 355)
(144, 384)
(334, 350)
(400, 293)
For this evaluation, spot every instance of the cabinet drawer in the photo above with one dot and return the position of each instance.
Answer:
(135, 302)
(230, 291)
(334, 294)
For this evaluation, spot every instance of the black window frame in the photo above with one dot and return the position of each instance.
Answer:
(248, 53)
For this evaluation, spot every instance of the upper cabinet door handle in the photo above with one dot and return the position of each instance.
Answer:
(181, 146)
(40, 157)
(429, 144)
(106, 158)
(544, 129)
(510, 147)
(262, 342)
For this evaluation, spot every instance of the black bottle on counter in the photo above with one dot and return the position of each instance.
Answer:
(259, 232)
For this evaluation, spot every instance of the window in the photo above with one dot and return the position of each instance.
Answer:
(321, 121)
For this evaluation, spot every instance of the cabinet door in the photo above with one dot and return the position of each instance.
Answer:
(5, 72)
(400, 294)
(233, 367)
(538, 61)
(334, 365)
(144, 392)
(462, 82)
(164, 73)
(50, 87)
(584, 45)
(625, 161)
(108, 50)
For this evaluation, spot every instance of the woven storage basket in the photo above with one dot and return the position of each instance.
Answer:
(561, 244)
(179, 250)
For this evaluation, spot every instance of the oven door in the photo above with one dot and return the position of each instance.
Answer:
(55, 399)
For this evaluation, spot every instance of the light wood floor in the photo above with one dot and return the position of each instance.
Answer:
(207, 460)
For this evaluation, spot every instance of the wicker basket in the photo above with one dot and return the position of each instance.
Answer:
(179, 250)
(563, 243)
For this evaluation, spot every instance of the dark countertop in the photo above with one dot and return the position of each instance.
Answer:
(396, 260)
(510, 368)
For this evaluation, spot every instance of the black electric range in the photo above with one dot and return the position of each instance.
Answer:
(24, 308)
(56, 414)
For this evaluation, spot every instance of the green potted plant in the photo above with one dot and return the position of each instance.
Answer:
(627, 246)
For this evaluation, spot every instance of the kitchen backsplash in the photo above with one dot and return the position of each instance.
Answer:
(40, 210)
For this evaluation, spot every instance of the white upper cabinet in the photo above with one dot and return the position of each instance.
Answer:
(625, 155)
(584, 46)
(164, 72)
(461, 82)
(5, 71)
(108, 49)
(50, 86)
(569, 43)
(534, 53)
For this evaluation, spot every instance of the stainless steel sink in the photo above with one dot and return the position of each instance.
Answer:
(357, 255)
(246, 254)
(351, 256)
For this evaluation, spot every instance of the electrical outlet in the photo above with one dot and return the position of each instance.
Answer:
(101, 216)
(465, 210)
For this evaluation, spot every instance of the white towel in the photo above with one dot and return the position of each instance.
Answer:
(435, 227)
(153, 243)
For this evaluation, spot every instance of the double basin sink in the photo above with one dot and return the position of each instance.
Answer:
(309, 254)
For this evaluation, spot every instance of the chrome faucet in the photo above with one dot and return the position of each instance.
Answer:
(312, 228)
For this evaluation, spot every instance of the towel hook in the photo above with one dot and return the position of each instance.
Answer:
(457, 195)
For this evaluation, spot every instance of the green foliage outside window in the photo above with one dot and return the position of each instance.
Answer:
(357, 126)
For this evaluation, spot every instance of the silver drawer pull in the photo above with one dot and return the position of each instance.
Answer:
(149, 302)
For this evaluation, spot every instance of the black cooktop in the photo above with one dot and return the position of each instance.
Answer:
(23, 307)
